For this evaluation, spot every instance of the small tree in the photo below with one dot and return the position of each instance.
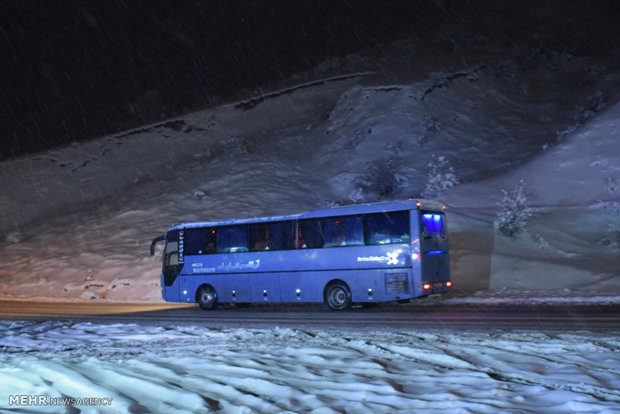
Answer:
(381, 178)
(440, 177)
(514, 212)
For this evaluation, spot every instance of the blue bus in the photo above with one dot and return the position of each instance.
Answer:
(367, 253)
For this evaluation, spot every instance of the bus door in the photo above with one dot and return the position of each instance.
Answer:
(173, 262)
(434, 250)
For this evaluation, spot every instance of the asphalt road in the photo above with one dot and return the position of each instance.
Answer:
(385, 316)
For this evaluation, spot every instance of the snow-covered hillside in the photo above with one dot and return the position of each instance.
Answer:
(76, 222)
(573, 238)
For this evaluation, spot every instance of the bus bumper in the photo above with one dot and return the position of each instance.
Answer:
(434, 288)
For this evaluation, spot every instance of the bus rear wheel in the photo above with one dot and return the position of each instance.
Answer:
(206, 297)
(338, 296)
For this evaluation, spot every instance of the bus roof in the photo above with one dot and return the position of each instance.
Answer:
(352, 209)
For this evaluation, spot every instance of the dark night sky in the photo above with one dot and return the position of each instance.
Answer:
(74, 70)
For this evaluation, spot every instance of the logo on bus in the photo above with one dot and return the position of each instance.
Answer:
(181, 246)
(390, 258)
(230, 266)
(393, 258)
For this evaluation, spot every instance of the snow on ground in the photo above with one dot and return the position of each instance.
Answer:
(187, 369)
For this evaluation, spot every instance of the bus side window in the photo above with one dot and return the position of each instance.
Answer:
(276, 235)
(291, 235)
(299, 242)
(308, 234)
(354, 231)
(343, 231)
(267, 236)
(199, 241)
(387, 228)
(258, 237)
(232, 239)
(172, 254)
(211, 239)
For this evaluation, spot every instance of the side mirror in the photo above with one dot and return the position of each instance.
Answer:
(154, 242)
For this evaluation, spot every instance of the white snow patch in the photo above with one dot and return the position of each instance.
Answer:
(190, 369)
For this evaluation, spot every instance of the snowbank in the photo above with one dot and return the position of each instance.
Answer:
(189, 369)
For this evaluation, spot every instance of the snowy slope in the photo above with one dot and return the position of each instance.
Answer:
(572, 242)
(76, 222)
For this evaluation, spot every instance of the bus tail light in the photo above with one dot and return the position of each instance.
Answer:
(415, 256)
(426, 286)
(449, 284)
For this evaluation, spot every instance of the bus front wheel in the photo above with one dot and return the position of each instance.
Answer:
(206, 297)
(338, 296)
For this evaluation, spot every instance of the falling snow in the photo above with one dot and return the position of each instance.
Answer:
(76, 221)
